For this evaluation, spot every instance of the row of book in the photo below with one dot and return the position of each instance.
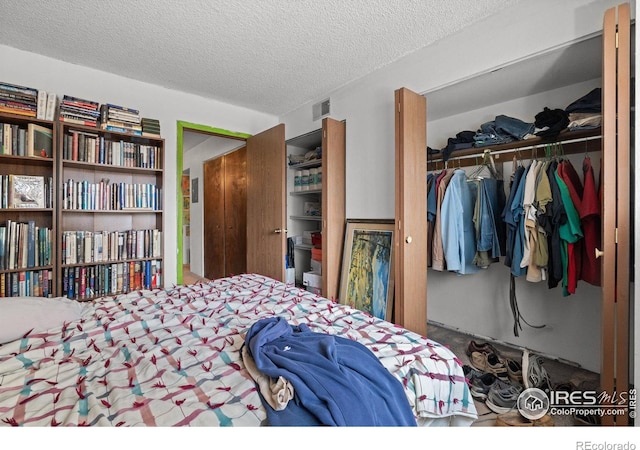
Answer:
(87, 282)
(26, 191)
(30, 102)
(107, 196)
(24, 245)
(121, 119)
(21, 100)
(29, 283)
(29, 140)
(92, 148)
(80, 247)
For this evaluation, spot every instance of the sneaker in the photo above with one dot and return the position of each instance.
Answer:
(491, 363)
(480, 386)
(514, 370)
(534, 375)
(503, 397)
(483, 347)
(470, 373)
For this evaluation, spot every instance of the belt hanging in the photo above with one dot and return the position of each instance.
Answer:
(515, 310)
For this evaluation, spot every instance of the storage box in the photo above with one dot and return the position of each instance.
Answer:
(312, 209)
(316, 253)
(307, 236)
(312, 279)
(316, 266)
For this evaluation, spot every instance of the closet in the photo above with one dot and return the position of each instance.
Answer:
(225, 214)
(611, 145)
(271, 208)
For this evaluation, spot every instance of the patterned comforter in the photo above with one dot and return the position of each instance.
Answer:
(173, 358)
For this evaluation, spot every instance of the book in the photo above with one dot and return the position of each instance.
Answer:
(19, 89)
(76, 101)
(52, 103)
(75, 121)
(31, 244)
(123, 108)
(39, 141)
(26, 191)
(42, 105)
(20, 112)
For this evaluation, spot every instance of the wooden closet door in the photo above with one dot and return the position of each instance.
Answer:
(266, 203)
(333, 204)
(410, 303)
(235, 212)
(213, 197)
(614, 374)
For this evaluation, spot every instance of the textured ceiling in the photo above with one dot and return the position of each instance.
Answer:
(267, 55)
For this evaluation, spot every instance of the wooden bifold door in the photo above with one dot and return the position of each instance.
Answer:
(615, 255)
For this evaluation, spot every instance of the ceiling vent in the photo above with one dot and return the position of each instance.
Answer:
(321, 109)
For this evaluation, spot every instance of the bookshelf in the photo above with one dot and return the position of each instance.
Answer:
(27, 217)
(109, 215)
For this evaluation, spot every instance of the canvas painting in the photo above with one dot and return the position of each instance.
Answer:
(367, 267)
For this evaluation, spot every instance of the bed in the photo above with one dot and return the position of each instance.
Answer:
(173, 357)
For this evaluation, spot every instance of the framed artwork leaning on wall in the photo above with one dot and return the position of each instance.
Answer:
(366, 280)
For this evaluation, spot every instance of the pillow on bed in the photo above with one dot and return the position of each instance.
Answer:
(19, 315)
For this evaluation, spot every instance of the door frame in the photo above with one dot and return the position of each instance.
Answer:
(183, 126)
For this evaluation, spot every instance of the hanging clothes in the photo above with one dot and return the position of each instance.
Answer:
(507, 216)
(554, 217)
(591, 226)
(490, 232)
(458, 231)
(567, 172)
(438, 260)
(542, 200)
(431, 213)
(517, 225)
(570, 233)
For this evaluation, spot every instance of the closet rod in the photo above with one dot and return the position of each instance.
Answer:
(467, 159)
(521, 149)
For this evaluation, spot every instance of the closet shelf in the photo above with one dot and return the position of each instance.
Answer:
(316, 218)
(572, 142)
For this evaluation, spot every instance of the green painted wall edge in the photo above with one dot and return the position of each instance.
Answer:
(182, 126)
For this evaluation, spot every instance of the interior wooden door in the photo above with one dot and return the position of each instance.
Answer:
(235, 212)
(614, 374)
(333, 204)
(266, 203)
(410, 303)
(213, 212)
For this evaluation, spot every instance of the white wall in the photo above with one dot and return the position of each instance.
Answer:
(367, 106)
(194, 159)
(169, 106)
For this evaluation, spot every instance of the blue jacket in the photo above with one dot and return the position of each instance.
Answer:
(337, 381)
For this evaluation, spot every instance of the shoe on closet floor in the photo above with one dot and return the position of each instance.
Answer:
(470, 372)
(514, 370)
(503, 397)
(480, 386)
(483, 347)
(491, 363)
(534, 375)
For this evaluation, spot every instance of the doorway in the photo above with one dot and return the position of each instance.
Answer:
(195, 144)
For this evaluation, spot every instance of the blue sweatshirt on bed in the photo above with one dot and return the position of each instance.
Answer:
(337, 381)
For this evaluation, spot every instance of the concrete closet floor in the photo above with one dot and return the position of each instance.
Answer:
(558, 372)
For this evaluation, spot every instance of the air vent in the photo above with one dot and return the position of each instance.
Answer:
(321, 109)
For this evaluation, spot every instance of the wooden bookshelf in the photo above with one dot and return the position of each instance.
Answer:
(33, 274)
(112, 186)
